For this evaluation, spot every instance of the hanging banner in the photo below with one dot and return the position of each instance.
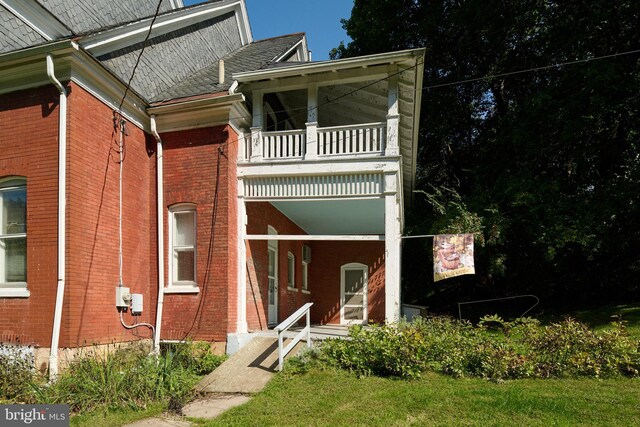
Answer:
(452, 256)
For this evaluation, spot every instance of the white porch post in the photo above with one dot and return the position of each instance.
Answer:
(312, 123)
(392, 248)
(256, 129)
(241, 326)
(393, 116)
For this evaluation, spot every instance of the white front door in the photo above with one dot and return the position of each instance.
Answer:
(272, 293)
(353, 294)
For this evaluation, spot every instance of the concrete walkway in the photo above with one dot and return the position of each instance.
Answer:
(231, 384)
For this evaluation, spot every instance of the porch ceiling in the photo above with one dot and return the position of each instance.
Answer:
(331, 217)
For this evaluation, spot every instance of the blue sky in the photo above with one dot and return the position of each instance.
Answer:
(320, 19)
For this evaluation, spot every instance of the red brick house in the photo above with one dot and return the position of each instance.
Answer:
(231, 182)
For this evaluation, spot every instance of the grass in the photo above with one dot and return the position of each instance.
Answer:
(601, 318)
(327, 397)
(106, 418)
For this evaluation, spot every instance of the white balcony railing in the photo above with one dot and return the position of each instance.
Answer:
(354, 139)
(284, 145)
(315, 142)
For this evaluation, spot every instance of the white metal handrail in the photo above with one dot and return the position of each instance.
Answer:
(285, 325)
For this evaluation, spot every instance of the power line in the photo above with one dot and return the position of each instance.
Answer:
(144, 45)
(529, 70)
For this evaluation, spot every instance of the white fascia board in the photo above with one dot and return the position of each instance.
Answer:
(117, 38)
(27, 69)
(300, 46)
(177, 4)
(38, 18)
(206, 112)
(319, 167)
(317, 237)
(331, 65)
(243, 24)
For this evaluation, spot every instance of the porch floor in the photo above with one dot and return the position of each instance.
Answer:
(318, 332)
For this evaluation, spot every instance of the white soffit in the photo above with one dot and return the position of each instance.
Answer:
(332, 217)
(117, 38)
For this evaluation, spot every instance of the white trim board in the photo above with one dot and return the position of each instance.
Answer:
(129, 34)
(304, 237)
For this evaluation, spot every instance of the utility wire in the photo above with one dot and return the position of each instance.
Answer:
(144, 45)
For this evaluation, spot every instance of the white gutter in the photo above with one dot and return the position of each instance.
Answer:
(160, 222)
(62, 201)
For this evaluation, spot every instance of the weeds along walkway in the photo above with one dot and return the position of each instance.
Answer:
(230, 384)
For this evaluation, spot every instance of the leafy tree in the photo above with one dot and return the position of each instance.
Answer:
(542, 160)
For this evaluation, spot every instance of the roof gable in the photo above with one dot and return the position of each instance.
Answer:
(83, 16)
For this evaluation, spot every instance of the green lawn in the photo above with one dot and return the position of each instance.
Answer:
(329, 398)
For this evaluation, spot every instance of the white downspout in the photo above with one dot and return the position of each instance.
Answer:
(160, 221)
(62, 201)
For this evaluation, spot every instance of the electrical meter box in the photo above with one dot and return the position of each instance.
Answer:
(136, 304)
(122, 297)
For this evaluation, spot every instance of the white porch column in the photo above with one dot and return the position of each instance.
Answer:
(393, 116)
(256, 129)
(392, 247)
(241, 326)
(312, 123)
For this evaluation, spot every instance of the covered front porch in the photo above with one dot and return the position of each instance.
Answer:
(328, 252)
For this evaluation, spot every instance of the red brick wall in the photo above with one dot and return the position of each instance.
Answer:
(326, 260)
(261, 215)
(29, 148)
(29, 124)
(199, 168)
(89, 312)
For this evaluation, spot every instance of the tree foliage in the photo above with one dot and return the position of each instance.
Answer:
(544, 164)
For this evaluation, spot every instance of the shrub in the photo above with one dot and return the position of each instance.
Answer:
(130, 378)
(17, 374)
(518, 349)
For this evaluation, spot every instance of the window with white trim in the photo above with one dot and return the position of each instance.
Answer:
(13, 237)
(182, 267)
(291, 270)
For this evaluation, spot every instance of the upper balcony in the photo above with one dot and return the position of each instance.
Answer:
(353, 109)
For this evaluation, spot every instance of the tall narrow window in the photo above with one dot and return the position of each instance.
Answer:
(13, 237)
(291, 270)
(183, 247)
(306, 259)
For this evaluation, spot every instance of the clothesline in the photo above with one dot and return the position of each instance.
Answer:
(418, 237)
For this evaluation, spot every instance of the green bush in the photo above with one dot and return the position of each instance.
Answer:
(518, 349)
(131, 378)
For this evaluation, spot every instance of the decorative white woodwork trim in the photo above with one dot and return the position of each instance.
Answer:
(337, 165)
(335, 65)
(353, 139)
(241, 326)
(287, 144)
(304, 187)
(301, 47)
(310, 237)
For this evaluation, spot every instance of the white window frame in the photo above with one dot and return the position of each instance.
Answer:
(291, 272)
(12, 289)
(305, 278)
(175, 286)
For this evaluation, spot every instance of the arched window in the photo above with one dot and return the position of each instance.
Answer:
(182, 247)
(13, 237)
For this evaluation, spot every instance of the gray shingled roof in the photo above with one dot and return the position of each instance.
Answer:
(257, 55)
(15, 34)
(170, 58)
(83, 16)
